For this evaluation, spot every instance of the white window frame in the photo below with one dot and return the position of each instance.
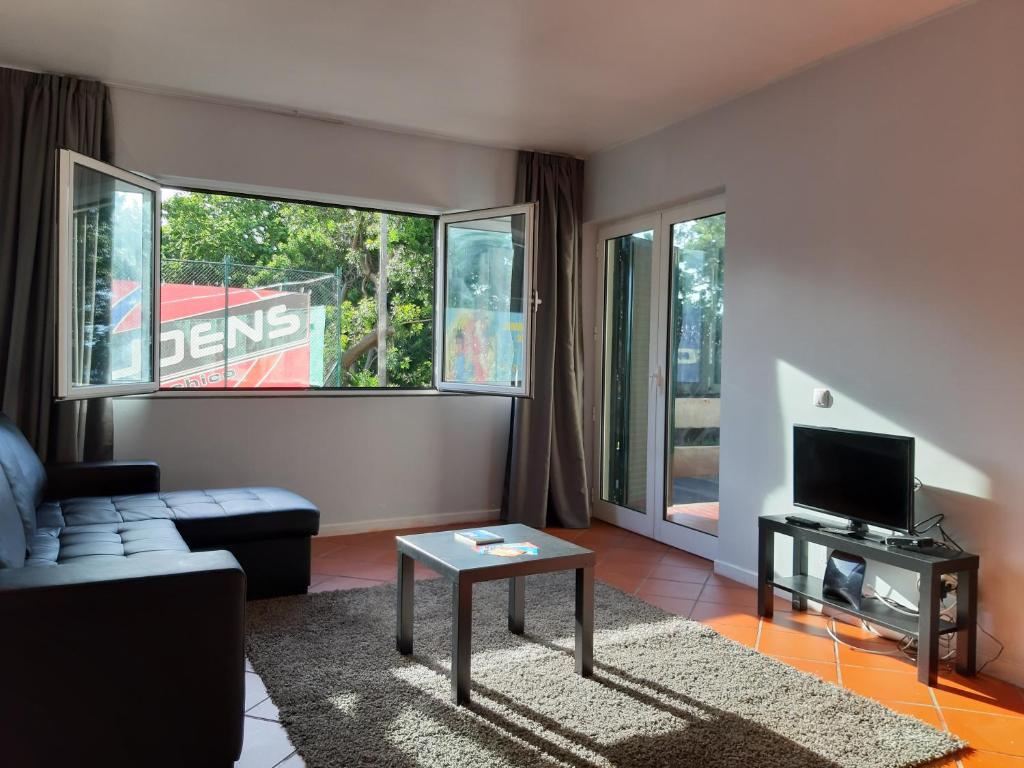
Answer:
(65, 388)
(530, 298)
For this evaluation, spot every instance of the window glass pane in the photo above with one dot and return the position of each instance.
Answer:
(271, 294)
(410, 292)
(626, 364)
(111, 281)
(485, 339)
(695, 371)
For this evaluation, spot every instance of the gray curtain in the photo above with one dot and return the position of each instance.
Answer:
(40, 114)
(546, 475)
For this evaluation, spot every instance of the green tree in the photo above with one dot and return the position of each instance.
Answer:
(330, 252)
(698, 249)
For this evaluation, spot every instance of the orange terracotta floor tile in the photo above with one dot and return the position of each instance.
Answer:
(729, 595)
(717, 613)
(995, 733)
(982, 759)
(685, 559)
(569, 534)
(883, 685)
(980, 694)
(743, 635)
(324, 545)
(798, 645)
(634, 558)
(798, 621)
(679, 573)
(887, 656)
(664, 588)
(738, 596)
(382, 554)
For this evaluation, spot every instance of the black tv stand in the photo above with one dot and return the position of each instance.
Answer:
(930, 564)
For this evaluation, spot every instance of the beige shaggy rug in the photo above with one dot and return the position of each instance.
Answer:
(666, 691)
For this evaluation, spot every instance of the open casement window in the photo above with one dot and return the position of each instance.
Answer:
(108, 280)
(486, 301)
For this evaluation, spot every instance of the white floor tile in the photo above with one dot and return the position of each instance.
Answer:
(255, 691)
(265, 744)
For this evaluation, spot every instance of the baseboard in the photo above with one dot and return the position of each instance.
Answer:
(734, 572)
(414, 521)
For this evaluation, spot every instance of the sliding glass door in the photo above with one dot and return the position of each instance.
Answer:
(659, 425)
(696, 278)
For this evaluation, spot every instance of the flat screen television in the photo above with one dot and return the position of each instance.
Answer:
(865, 477)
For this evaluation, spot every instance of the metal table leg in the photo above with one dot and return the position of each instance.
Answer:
(462, 622)
(403, 631)
(585, 621)
(516, 604)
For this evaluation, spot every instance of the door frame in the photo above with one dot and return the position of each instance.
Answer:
(653, 523)
(623, 517)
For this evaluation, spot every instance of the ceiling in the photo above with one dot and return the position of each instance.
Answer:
(572, 76)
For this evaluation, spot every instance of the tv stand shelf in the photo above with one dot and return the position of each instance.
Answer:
(872, 611)
(930, 565)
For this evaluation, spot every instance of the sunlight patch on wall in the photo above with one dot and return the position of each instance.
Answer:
(936, 467)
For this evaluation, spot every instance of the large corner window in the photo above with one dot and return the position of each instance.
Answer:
(184, 290)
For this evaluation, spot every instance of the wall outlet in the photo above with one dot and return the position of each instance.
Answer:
(822, 398)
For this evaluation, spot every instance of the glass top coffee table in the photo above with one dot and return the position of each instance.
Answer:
(461, 564)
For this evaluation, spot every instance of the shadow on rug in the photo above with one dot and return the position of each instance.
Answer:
(666, 691)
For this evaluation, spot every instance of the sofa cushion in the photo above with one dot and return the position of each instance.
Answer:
(103, 541)
(205, 519)
(223, 516)
(25, 473)
(12, 532)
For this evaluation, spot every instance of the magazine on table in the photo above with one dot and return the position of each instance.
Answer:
(510, 549)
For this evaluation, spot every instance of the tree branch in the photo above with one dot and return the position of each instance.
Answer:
(361, 347)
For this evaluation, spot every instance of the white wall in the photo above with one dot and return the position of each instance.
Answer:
(873, 247)
(367, 461)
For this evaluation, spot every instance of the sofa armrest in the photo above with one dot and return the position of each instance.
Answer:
(102, 478)
(144, 655)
